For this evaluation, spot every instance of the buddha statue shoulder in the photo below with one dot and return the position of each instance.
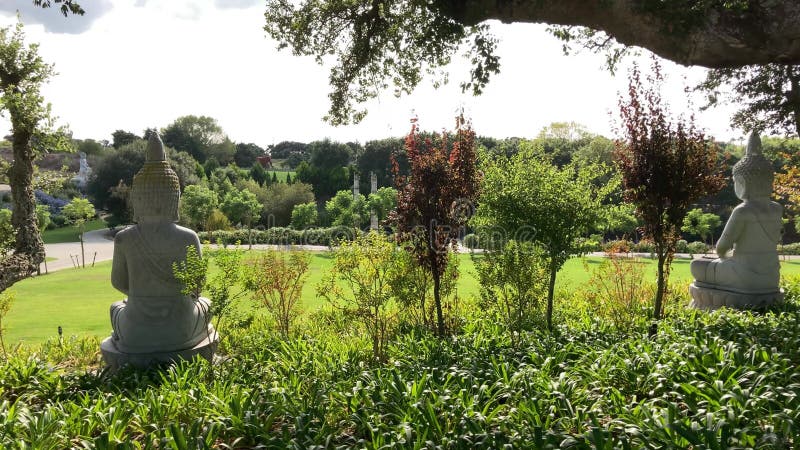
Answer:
(155, 318)
(748, 259)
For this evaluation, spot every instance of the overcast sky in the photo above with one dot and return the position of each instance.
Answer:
(133, 64)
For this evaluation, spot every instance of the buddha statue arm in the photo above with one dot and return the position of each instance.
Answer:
(119, 269)
(730, 234)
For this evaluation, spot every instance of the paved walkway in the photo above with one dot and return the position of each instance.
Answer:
(98, 246)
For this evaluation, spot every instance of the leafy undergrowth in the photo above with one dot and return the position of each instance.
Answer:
(720, 380)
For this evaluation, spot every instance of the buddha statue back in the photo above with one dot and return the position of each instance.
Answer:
(747, 272)
(156, 323)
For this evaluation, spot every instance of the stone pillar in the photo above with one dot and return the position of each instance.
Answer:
(356, 188)
(373, 218)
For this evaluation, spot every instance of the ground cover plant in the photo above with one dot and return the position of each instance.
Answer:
(718, 380)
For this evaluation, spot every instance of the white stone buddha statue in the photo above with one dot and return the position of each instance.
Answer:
(747, 272)
(156, 323)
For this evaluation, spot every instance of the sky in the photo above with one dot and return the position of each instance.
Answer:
(134, 64)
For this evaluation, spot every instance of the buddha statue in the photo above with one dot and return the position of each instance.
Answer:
(747, 272)
(156, 323)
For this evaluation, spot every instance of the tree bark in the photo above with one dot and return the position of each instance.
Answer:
(659, 295)
(767, 31)
(28, 248)
(551, 292)
(437, 280)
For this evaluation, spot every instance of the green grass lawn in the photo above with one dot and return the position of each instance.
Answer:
(70, 233)
(78, 299)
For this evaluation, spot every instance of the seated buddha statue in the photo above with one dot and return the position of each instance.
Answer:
(156, 323)
(748, 265)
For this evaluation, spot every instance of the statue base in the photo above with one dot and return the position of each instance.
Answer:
(115, 359)
(707, 298)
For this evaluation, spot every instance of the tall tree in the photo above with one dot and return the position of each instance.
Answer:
(194, 135)
(22, 73)
(436, 199)
(380, 44)
(666, 166)
(246, 154)
(122, 138)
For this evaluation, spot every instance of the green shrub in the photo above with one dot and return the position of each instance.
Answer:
(359, 285)
(697, 248)
(412, 286)
(618, 293)
(282, 236)
(513, 284)
(789, 249)
(275, 280)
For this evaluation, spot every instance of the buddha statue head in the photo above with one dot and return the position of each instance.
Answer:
(156, 190)
(753, 175)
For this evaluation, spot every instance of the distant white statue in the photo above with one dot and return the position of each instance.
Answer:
(156, 323)
(84, 172)
(747, 272)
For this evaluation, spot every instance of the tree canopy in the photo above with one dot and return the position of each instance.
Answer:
(380, 44)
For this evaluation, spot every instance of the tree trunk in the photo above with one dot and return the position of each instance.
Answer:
(551, 291)
(659, 295)
(28, 248)
(438, 301)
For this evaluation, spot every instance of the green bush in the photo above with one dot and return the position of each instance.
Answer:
(282, 236)
(789, 249)
(697, 248)
(513, 284)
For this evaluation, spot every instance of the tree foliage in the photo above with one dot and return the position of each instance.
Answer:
(194, 135)
(347, 210)
(436, 199)
(700, 223)
(666, 166)
(304, 215)
(281, 200)
(66, 7)
(768, 96)
(121, 138)
(528, 198)
(377, 44)
(384, 44)
(197, 204)
(241, 206)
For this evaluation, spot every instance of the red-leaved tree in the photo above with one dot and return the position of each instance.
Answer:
(666, 166)
(435, 200)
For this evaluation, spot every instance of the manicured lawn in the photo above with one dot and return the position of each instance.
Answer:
(70, 233)
(78, 299)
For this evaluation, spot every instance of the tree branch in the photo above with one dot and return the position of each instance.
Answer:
(709, 33)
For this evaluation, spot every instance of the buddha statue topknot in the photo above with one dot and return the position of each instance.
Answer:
(747, 272)
(156, 323)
